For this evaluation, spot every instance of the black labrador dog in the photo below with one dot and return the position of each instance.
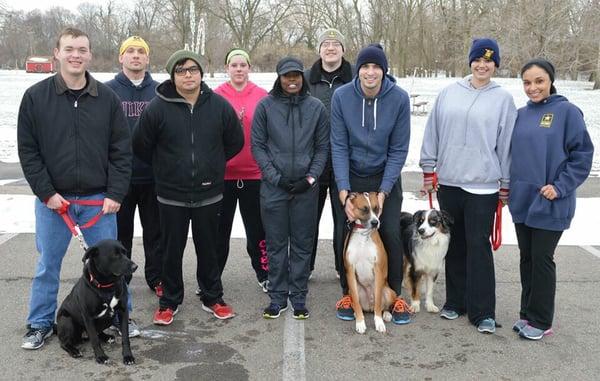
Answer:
(93, 301)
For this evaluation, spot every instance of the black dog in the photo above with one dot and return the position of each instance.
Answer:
(91, 305)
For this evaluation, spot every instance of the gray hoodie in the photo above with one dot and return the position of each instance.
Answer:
(467, 136)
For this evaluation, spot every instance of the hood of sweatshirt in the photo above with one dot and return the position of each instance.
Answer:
(229, 92)
(554, 98)
(466, 83)
(123, 80)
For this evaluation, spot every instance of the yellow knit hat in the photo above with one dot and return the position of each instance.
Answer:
(134, 41)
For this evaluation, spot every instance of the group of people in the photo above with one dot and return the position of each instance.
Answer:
(180, 152)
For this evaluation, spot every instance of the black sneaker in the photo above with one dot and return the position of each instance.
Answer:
(300, 311)
(34, 338)
(273, 311)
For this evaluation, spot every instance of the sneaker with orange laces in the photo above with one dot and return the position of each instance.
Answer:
(401, 311)
(344, 308)
(219, 309)
(164, 316)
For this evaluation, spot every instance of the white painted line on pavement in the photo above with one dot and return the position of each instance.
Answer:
(293, 349)
(6, 237)
(592, 250)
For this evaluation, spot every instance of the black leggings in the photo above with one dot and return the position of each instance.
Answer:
(538, 274)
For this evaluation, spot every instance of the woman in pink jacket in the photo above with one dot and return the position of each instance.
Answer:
(242, 175)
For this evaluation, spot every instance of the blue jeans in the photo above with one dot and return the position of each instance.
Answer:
(52, 238)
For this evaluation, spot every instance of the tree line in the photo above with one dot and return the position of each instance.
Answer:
(421, 37)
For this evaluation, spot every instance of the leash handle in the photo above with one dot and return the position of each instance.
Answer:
(75, 229)
(496, 237)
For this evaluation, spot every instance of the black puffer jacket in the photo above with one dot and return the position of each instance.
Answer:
(74, 145)
(290, 135)
(187, 146)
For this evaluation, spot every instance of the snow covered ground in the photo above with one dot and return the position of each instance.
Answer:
(14, 84)
(17, 210)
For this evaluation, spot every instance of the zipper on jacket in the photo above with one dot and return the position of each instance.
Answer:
(77, 145)
(193, 153)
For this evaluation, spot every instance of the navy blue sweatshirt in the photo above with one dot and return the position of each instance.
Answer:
(550, 145)
(133, 100)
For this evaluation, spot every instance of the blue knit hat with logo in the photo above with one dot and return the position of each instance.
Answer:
(485, 47)
(372, 54)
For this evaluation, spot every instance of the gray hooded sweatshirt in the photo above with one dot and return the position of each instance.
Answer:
(467, 136)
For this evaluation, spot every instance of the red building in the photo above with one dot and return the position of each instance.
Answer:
(39, 64)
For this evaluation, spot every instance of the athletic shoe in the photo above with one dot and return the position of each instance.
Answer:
(519, 325)
(274, 311)
(158, 290)
(35, 337)
(310, 275)
(344, 308)
(487, 326)
(300, 311)
(532, 333)
(401, 311)
(198, 292)
(134, 330)
(219, 309)
(164, 316)
(448, 314)
(263, 284)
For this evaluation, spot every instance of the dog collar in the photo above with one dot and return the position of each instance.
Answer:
(97, 284)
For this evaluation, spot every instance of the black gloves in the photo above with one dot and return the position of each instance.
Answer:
(294, 187)
(299, 186)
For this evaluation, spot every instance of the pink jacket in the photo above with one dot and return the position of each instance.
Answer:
(243, 166)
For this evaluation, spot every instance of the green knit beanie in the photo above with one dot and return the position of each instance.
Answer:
(183, 54)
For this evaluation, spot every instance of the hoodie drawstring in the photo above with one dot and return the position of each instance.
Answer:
(374, 114)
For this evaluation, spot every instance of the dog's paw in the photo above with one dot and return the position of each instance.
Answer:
(379, 324)
(387, 316)
(361, 326)
(416, 306)
(430, 307)
(103, 359)
(128, 360)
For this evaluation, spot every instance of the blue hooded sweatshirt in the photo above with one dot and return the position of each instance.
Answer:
(369, 136)
(550, 145)
(133, 100)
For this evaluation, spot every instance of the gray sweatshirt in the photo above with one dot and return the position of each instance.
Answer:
(467, 136)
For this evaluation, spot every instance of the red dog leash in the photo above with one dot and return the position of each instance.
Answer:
(435, 185)
(75, 229)
(496, 237)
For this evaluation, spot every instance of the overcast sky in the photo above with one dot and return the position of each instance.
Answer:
(28, 5)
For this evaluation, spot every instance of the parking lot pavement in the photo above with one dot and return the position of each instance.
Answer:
(197, 346)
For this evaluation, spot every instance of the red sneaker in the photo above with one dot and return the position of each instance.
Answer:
(220, 310)
(164, 316)
(158, 289)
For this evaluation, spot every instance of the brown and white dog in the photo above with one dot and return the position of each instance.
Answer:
(366, 264)
(425, 236)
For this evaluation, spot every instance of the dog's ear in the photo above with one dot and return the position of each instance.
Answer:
(447, 219)
(417, 216)
(90, 253)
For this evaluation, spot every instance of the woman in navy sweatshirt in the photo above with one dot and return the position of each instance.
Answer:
(551, 156)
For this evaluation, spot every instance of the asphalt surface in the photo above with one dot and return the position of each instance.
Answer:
(197, 346)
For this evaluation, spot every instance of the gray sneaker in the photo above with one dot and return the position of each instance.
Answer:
(532, 333)
(519, 325)
(448, 314)
(34, 338)
(487, 326)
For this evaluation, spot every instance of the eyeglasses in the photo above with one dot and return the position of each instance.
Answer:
(332, 44)
(181, 71)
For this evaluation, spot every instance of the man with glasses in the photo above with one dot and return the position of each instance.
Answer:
(328, 73)
(188, 133)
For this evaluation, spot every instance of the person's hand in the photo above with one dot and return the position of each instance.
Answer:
(299, 186)
(429, 183)
(56, 202)
(110, 206)
(503, 196)
(380, 199)
(548, 192)
(284, 183)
